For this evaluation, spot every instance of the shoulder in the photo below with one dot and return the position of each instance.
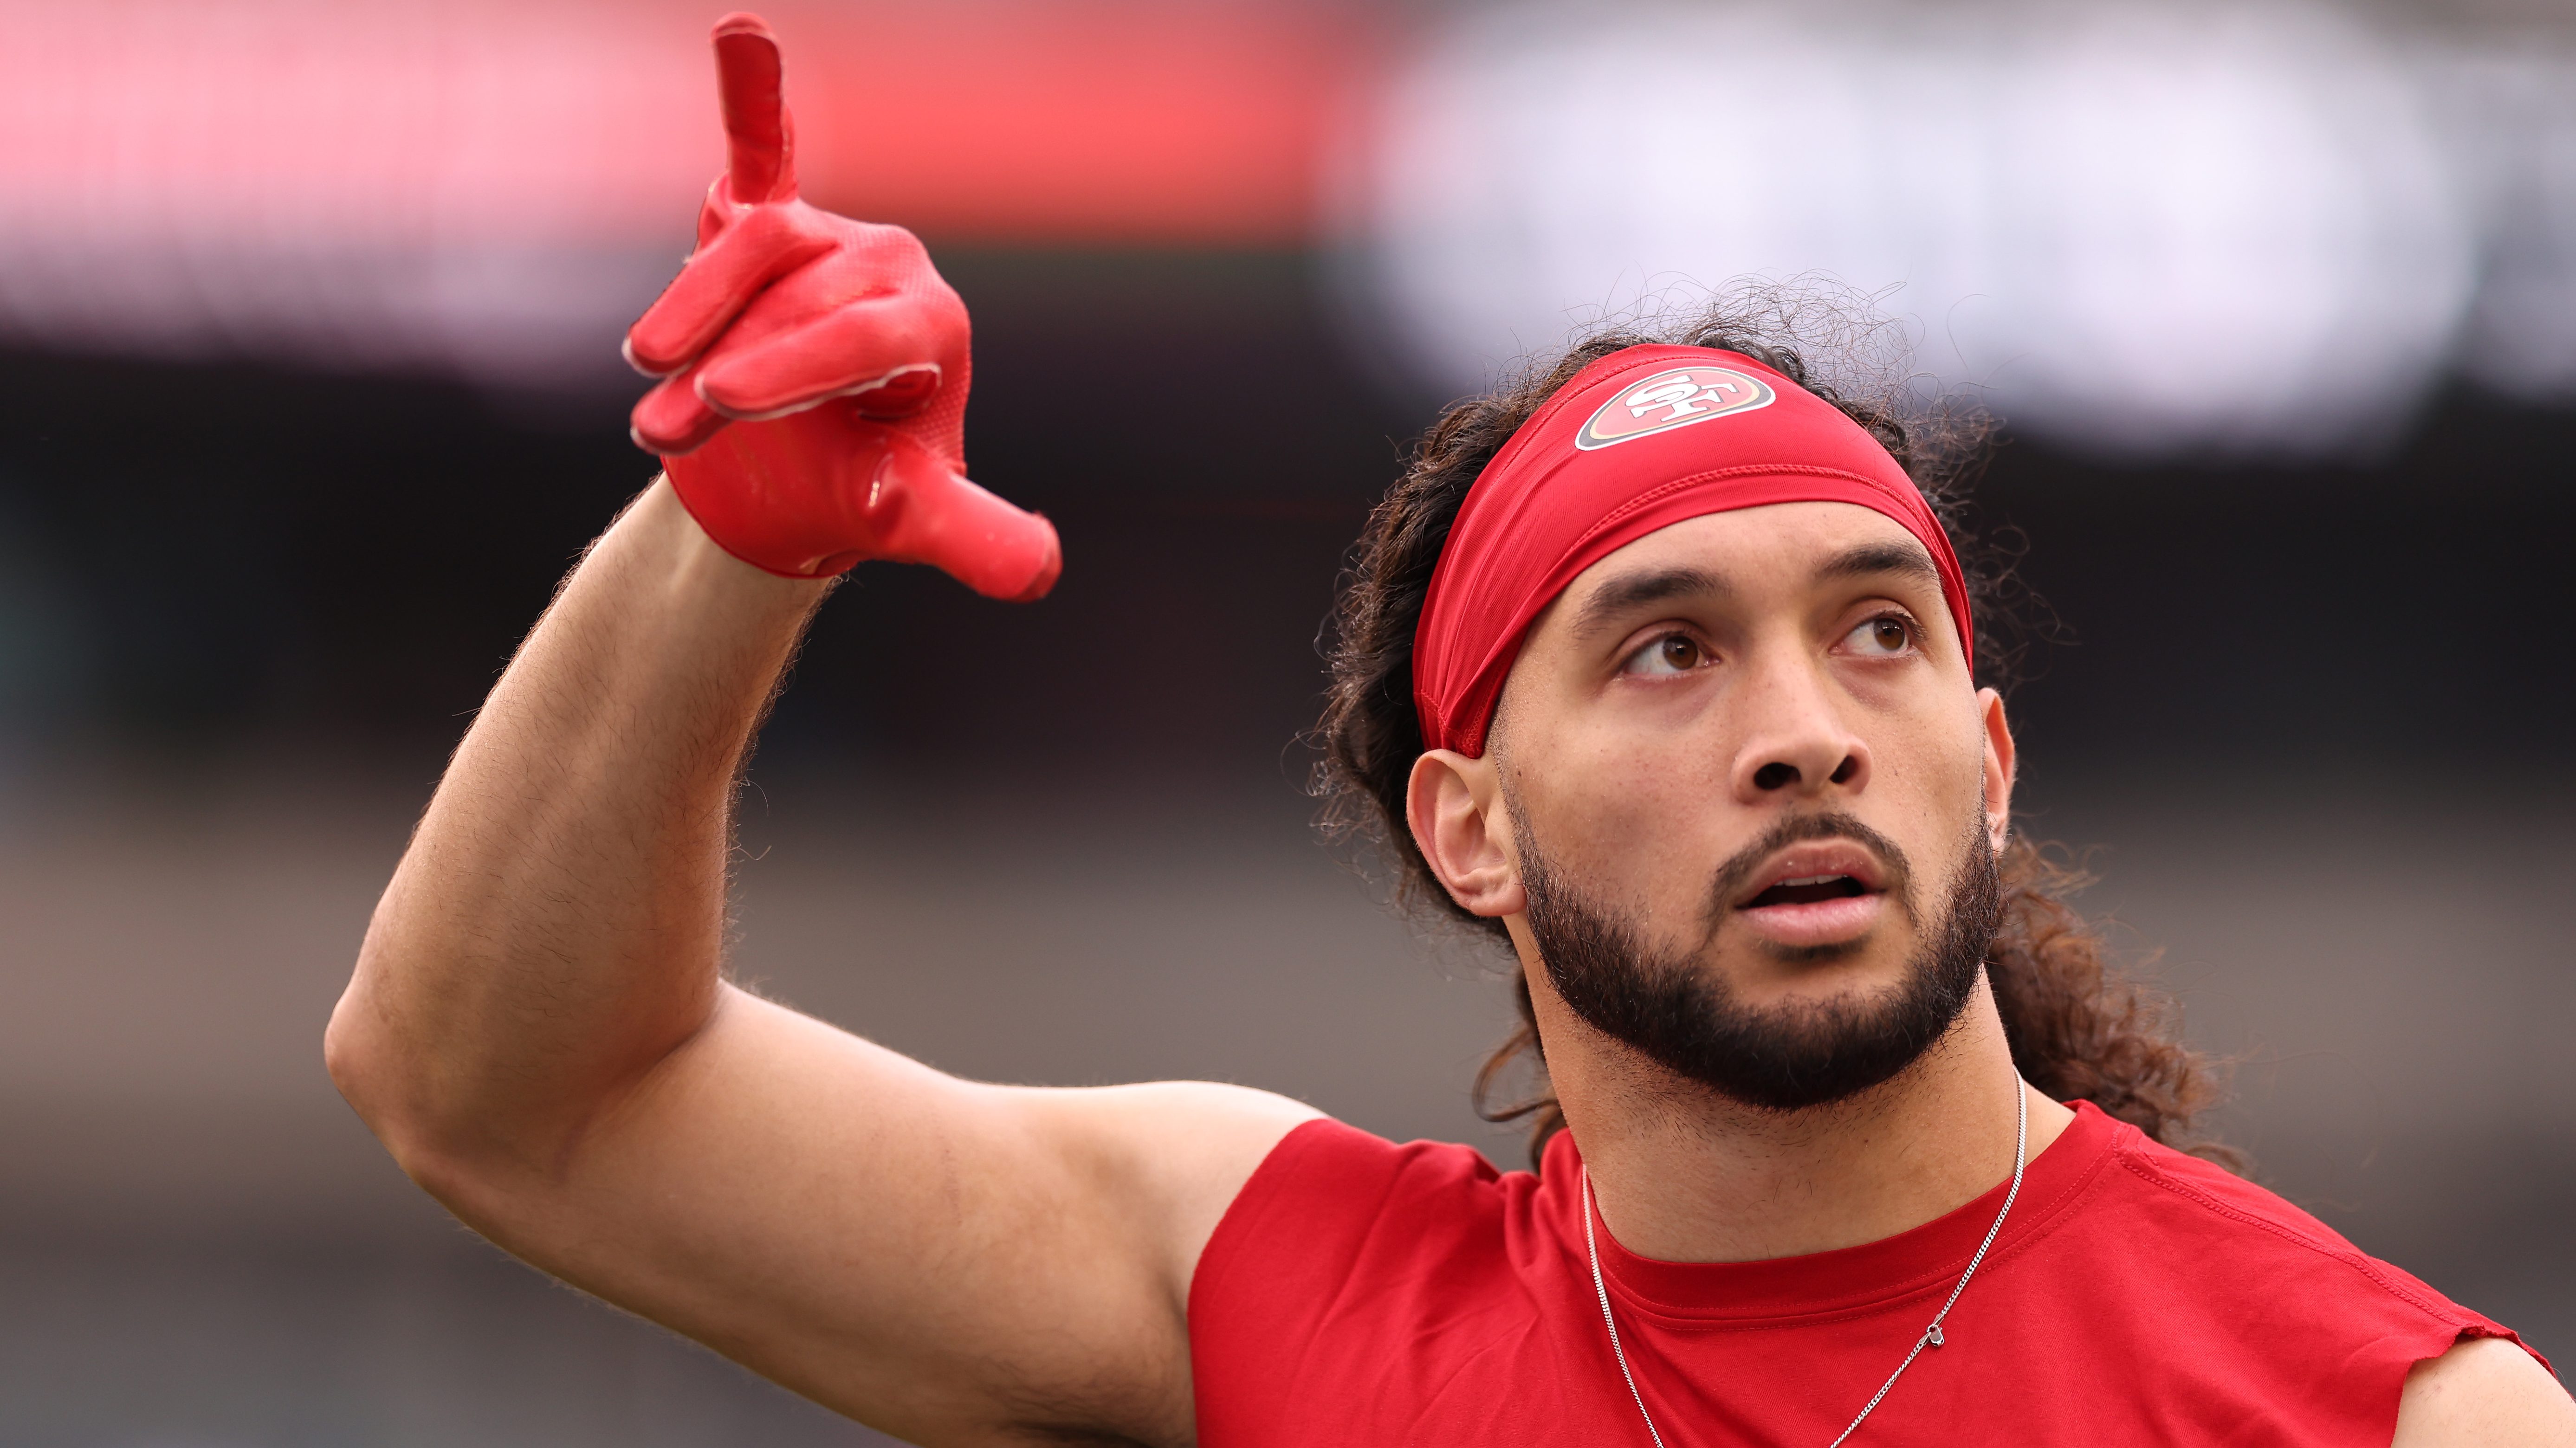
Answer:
(1352, 1277)
(2238, 1222)
(2486, 1390)
(1330, 1197)
(1339, 1225)
(2217, 1195)
(2290, 1302)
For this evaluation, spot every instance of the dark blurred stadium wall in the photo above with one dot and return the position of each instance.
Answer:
(258, 567)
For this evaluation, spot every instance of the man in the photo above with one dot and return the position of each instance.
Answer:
(1663, 664)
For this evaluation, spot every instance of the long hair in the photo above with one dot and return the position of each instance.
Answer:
(2078, 1027)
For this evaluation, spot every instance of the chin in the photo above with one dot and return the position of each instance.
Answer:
(1763, 972)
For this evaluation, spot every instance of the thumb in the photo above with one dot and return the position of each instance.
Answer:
(939, 518)
(760, 138)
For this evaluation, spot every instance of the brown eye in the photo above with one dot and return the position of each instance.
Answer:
(1880, 638)
(1671, 654)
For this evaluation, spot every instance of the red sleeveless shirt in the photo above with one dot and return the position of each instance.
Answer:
(1361, 1293)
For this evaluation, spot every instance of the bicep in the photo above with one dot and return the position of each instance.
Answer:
(2485, 1390)
(937, 1257)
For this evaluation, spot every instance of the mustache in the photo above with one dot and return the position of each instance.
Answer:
(1798, 829)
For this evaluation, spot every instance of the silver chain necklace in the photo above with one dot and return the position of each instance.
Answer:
(1931, 1335)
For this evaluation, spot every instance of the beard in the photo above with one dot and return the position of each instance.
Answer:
(1688, 1019)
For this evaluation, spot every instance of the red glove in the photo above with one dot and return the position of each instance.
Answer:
(813, 403)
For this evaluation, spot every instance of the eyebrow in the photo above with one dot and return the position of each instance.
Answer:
(1871, 559)
(1635, 590)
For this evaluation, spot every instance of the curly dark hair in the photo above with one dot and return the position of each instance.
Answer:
(2080, 1029)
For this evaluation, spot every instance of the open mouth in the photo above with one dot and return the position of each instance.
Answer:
(1816, 894)
(1808, 890)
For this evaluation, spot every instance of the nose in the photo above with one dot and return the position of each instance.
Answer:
(1795, 745)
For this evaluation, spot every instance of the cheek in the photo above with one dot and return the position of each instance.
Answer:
(1632, 815)
(1931, 769)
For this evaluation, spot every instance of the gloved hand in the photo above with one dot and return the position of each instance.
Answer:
(813, 403)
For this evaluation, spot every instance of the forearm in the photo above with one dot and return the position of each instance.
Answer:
(556, 926)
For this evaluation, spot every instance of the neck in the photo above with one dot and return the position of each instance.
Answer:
(1685, 1175)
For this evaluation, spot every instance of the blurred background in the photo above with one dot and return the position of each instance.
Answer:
(308, 364)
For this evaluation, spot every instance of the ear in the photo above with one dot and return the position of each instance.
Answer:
(2000, 761)
(1455, 808)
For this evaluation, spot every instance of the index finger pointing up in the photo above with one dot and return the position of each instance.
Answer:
(760, 141)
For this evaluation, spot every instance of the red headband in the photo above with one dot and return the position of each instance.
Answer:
(1616, 454)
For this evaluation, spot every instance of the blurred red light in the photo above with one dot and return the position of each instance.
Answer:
(1119, 123)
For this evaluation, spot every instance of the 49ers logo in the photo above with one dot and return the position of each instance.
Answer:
(1672, 399)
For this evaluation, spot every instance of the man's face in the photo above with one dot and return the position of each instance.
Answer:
(1751, 795)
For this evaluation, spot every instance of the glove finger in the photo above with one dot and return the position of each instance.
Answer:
(996, 549)
(715, 285)
(880, 346)
(760, 136)
(672, 419)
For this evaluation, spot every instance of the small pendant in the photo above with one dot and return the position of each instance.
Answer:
(1932, 1334)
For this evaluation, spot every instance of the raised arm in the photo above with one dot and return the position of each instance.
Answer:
(539, 1029)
